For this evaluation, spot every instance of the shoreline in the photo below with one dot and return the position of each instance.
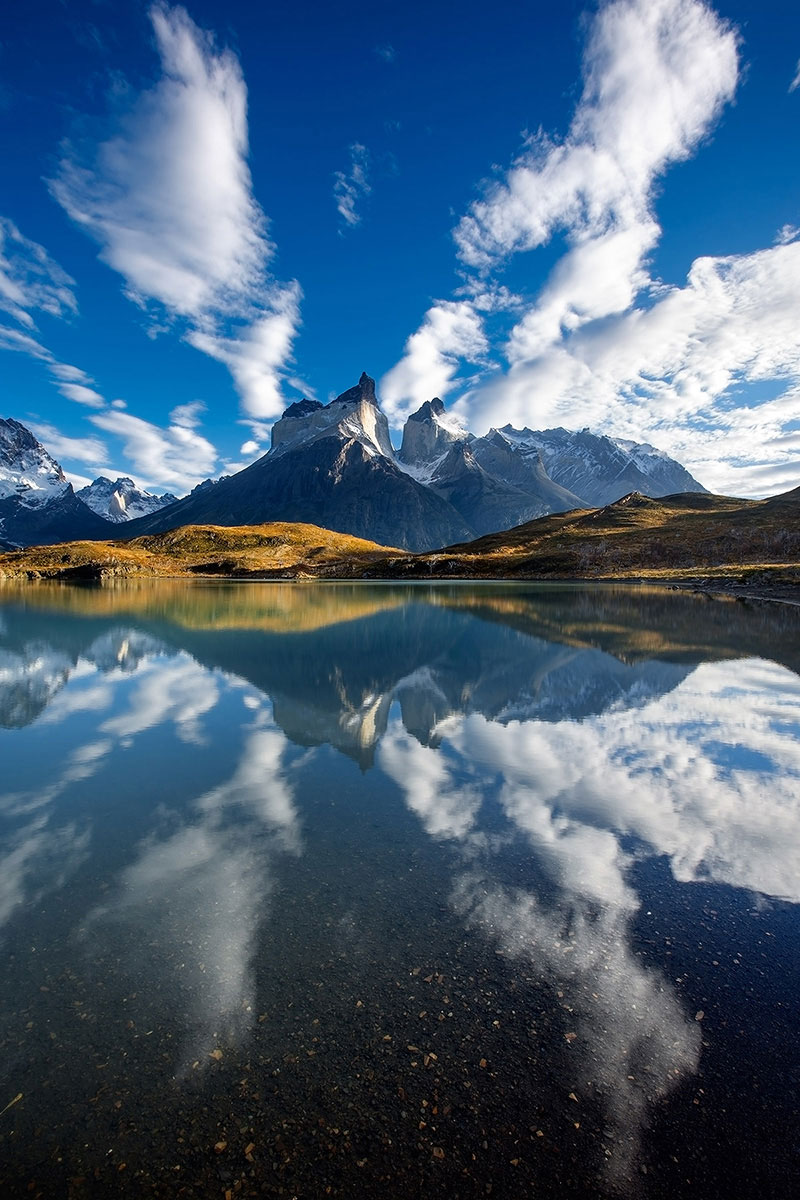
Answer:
(776, 592)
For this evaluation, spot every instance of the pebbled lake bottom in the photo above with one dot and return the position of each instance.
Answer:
(362, 890)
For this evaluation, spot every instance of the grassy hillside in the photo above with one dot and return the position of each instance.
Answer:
(750, 543)
(274, 550)
(671, 538)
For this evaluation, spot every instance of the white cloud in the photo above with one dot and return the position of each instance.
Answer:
(68, 373)
(175, 457)
(14, 339)
(796, 81)
(387, 52)
(656, 74)
(351, 186)
(452, 330)
(670, 373)
(71, 381)
(603, 344)
(254, 357)
(82, 394)
(188, 415)
(30, 279)
(168, 197)
(90, 450)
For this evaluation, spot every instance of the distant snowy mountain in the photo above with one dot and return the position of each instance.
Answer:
(333, 465)
(121, 500)
(601, 469)
(37, 502)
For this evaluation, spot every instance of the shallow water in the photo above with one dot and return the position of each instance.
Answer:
(360, 890)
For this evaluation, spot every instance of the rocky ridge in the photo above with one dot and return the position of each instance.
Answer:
(333, 465)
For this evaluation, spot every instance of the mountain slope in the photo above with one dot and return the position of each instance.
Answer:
(61, 519)
(331, 465)
(27, 472)
(599, 468)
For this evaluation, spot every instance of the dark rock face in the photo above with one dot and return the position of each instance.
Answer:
(485, 502)
(363, 390)
(62, 520)
(301, 408)
(338, 484)
(428, 434)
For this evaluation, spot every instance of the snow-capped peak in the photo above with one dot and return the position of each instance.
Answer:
(27, 471)
(352, 415)
(121, 500)
(428, 434)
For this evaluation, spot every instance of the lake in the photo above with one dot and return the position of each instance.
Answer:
(360, 890)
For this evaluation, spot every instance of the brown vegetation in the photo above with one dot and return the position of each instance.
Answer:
(753, 544)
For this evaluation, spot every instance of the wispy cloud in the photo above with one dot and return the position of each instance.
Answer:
(15, 339)
(82, 394)
(168, 197)
(656, 76)
(796, 81)
(602, 342)
(30, 280)
(352, 185)
(177, 456)
(451, 331)
(89, 450)
(71, 382)
(386, 51)
(256, 354)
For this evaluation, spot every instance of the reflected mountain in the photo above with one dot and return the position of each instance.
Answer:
(35, 665)
(535, 763)
(335, 682)
(332, 658)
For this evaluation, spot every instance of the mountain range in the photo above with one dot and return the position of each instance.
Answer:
(333, 465)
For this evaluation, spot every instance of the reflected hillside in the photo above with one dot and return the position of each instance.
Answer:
(333, 658)
(644, 622)
(632, 623)
(336, 684)
(274, 607)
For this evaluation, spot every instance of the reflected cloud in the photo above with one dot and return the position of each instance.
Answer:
(630, 1041)
(37, 859)
(179, 691)
(706, 775)
(446, 806)
(201, 893)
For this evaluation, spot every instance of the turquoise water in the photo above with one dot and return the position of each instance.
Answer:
(359, 890)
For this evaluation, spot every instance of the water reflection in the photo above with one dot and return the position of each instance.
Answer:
(538, 751)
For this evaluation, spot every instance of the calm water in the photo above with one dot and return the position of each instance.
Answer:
(313, 890)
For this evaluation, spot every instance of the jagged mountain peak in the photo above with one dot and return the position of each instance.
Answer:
(428, 410)
(363, 390)
(354, 414)
(428, 435)
(27, 471)
(599, 468)
(121, 500)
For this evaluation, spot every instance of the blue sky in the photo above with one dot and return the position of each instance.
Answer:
(578, 215)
